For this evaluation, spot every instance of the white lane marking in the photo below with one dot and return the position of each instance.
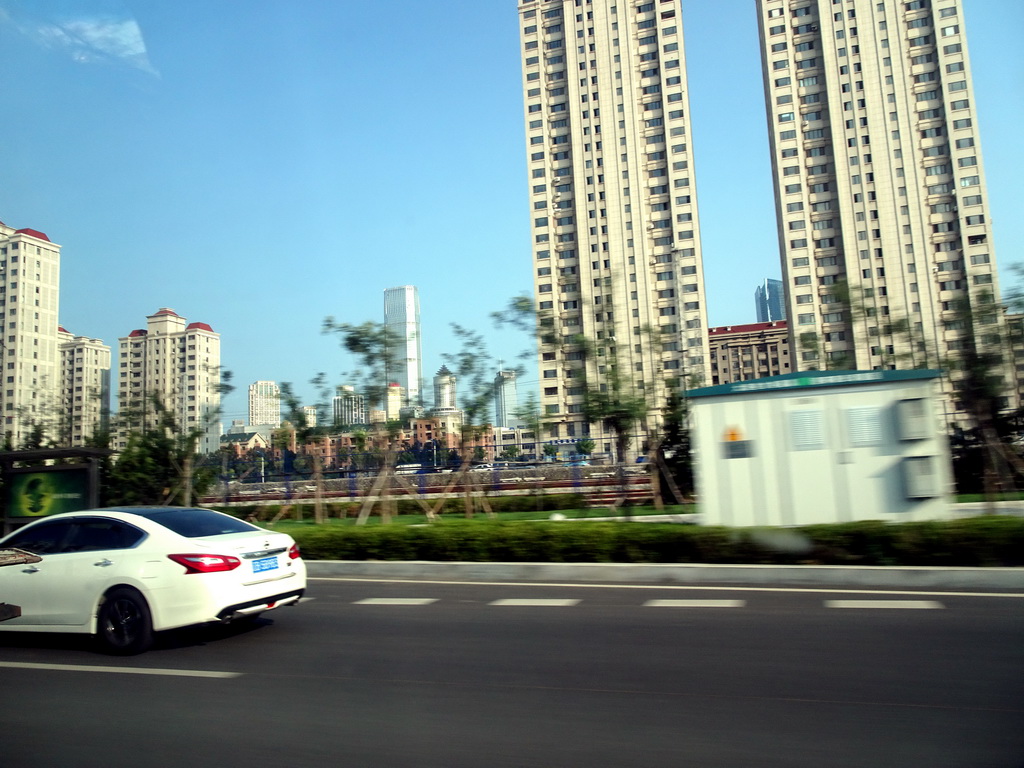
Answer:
(695, 603)
(883, 604)
(396, 601)
(554, 602)
(120, 670)
(306, 599)
(668, 587)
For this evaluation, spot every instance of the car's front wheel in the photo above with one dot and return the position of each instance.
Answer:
(124, 626)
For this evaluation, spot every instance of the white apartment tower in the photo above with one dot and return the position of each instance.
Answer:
(178, 363)
(265, 404)
(29, 301)
(880, 190)
(445, 383)
(615, 239)
(349, 407)
(85, 387)
(402, 321)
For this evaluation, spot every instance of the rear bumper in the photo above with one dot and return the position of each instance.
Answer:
(251, 607)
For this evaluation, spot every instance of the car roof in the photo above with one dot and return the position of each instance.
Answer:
(127, 514)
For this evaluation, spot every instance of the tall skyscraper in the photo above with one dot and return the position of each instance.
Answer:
(85, 387)
(883, 218)
(402, 320)
(30, 288)
(616, 242)
(770, 301)
(265, 404)
(177, 362)
(506, 398)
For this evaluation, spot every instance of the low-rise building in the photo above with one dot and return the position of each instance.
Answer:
(751, 351)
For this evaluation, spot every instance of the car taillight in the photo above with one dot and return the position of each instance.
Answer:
(202, 563)
(293, 552)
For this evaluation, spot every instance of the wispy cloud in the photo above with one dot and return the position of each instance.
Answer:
(90, 32)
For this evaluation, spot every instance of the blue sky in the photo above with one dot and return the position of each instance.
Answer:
(258, 166)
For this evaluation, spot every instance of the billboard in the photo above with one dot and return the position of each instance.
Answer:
(42, 491)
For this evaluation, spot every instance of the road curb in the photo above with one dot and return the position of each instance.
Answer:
(893, 577)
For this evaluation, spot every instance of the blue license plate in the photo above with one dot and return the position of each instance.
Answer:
(264, 564)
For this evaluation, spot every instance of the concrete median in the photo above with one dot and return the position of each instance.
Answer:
(872, 577)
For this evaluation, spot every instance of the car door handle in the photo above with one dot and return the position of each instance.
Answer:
(104, 562)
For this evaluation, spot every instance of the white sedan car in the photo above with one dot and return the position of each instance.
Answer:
(123, 573)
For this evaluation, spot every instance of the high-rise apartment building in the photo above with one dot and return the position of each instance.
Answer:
(265, 404)
(615, 238)
(445, 389)
(394, 398)
(85, 387)
(402, 320)
(884, 225)
(349, 407)
(770, 301)
(30, 396)
(506, 398)
(178, 363)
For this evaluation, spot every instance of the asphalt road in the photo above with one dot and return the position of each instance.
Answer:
(425, 674)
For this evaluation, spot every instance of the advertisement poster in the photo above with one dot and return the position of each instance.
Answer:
(38, 494)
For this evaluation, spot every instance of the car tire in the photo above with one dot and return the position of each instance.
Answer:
(124, 624)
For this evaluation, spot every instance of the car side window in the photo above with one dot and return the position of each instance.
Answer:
(49, 538)
(94, 534)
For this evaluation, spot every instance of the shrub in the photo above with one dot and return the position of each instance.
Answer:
(983, 541)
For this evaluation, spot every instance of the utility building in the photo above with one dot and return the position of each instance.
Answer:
(821, 447)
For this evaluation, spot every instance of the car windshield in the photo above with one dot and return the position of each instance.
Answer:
(195, 523)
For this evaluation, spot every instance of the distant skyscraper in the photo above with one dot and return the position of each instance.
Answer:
(265, 404)
(506, 398)
(616, 242)
(884, 224)
(770, 300)
(444, 389)
(85, 386)
(349, 407)
(31, 394)
(310, 414)
(177, 362)
(402, 320)
(394, 397)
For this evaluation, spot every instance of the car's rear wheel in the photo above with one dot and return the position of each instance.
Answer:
(124, 626)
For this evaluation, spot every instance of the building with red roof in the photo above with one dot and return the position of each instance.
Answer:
(178, 363)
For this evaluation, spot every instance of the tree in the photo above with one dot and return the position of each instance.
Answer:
(156, 466)
(551, 451)
(509, 453)
(585, 447)
(977, 373)
(674, 459)
(374, 347)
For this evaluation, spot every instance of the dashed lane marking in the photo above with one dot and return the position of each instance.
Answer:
(904, 604)
(396, 601)
(695, 603)
(536, 603)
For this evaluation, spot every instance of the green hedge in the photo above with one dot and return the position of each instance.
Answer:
(981, 541)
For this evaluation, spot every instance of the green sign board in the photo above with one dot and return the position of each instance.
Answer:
(34, 493)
